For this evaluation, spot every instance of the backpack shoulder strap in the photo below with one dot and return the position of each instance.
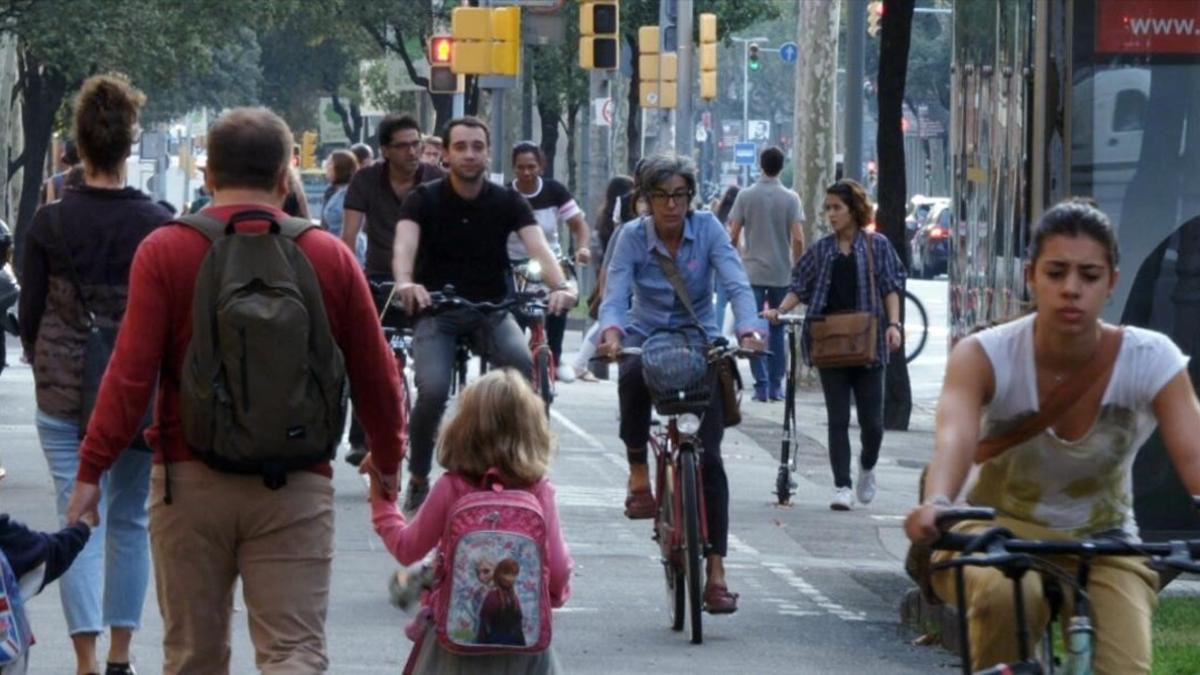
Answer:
(292, 227)
(206, 225)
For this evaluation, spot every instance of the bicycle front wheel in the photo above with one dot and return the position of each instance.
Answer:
(664, 528)
(916, 326)
(541, 374)
(692, 544)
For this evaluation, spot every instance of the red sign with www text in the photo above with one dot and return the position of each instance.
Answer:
(1148, 26)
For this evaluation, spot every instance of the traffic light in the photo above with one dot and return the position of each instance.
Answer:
(308, 150)
(656, 71)
(471, 28)
(599, 22)
(708, 56)
(874, 17)
(754, 62)
(442, 79)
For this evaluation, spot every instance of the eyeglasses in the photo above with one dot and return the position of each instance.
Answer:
(401, 145)
(665, 198)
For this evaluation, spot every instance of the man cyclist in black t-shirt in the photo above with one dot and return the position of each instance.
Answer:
(454, 231)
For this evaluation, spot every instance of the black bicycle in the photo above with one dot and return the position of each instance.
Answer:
(916, 326)
(999, 548)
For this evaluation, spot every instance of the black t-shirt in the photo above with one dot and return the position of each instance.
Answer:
(371, 192)
(463, 242)
(843, 284)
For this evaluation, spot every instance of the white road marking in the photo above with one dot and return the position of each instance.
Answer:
(577, 430)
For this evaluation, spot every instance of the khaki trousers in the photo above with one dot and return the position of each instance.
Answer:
(221, 526)
(1123, 591)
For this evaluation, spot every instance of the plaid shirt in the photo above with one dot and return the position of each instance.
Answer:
(812, 276)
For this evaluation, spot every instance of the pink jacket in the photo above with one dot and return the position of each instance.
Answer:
(409, 543)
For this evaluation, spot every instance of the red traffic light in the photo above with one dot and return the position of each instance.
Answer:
(440, 47)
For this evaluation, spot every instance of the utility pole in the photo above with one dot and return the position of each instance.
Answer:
(664, 140)
(856, 47)
(685, 127)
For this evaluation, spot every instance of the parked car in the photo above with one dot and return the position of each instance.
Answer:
(919, 209)
(929, 250)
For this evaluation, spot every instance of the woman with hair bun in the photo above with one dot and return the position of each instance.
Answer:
(76, 275)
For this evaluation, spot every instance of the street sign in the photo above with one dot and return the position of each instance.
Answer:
(743, 154)
(759, 130)
(789, 52)
(602, 112)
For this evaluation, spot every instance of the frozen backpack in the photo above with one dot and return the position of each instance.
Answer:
(494, 574)
(15, 636)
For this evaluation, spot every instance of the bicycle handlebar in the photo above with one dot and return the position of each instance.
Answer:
(448, 298)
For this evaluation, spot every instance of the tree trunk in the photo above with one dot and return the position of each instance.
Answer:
(42, 93)
(633, 121)
(351, 118)
(893, 71)
(572, 163)
(816, 89)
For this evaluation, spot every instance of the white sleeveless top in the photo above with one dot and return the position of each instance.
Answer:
(1080, 487)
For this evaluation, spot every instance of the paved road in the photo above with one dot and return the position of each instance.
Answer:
(819, 590)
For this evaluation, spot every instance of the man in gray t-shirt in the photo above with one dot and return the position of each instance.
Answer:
(770, 216)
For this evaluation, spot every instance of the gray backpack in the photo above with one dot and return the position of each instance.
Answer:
(262, 377)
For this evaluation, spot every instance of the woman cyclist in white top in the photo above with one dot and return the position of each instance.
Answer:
(1073, 480)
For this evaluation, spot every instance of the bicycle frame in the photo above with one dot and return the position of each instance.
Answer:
(787, 461)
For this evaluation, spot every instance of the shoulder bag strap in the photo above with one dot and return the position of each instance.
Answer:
(1095, 373)
(54, 211)
(672, 272)
(872, 292)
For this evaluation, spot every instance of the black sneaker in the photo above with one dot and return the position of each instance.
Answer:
(356, 455)
(119, 669)
(417, 492)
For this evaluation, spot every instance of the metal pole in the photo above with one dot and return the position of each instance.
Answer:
(745, 105)
(458, 106)
(856, 41)
(527, 99)
(685, 128)
(497, 124)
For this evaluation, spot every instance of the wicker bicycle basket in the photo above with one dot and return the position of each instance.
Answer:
(675, 368)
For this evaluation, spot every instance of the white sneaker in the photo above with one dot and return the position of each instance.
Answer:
(865, 491)
(566, 374)
(842, 499)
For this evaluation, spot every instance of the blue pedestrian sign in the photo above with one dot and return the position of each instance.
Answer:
(789, 52)
(743, 154)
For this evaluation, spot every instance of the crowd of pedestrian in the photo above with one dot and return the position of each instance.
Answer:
(187, 432)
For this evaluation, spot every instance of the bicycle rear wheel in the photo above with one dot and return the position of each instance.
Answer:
(916, 327)
(692, 545)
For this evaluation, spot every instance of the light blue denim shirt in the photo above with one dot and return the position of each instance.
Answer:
(634, 274)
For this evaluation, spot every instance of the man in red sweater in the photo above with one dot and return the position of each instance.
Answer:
(219, 526)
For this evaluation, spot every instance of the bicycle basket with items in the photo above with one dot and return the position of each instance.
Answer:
(676, 370)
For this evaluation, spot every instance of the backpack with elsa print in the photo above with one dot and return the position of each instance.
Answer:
(494, 573)
(15, 636)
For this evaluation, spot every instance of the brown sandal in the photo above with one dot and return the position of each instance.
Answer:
(718, 599)
(639, 504)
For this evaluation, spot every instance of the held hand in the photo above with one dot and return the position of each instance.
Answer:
(561, 302)
(583, 257)
(921, 524)
(893, 338)
(413, 296)
(771, 315)
(84, 505)
(383, 488)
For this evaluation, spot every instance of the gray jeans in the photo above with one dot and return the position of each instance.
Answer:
(496, 336)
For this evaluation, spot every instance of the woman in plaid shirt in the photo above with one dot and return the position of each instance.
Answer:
(832, 277)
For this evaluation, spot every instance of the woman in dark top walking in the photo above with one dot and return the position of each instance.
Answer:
(832, 276)
(84, 243)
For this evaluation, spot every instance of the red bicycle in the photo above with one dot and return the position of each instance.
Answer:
(679, 370)
(527, 280)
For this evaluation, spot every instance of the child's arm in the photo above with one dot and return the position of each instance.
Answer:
(560, 558)
(409, 542)
(26, 549)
